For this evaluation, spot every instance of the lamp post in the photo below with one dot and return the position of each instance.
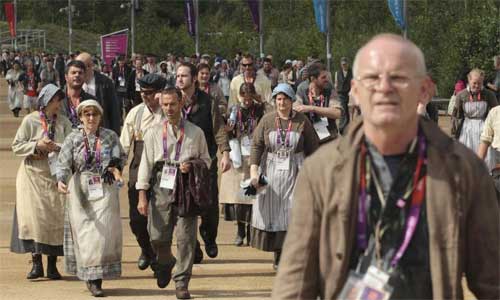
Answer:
(70, 9)
(132, 7)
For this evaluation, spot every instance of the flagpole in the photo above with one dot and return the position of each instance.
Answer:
(261, 28)
(405, 18)
(196, 27)
(328, 48)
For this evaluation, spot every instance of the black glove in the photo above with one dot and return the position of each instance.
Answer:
(107, 176)
(250, 190)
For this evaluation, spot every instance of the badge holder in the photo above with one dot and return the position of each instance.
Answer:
(283, 159)
(96, 191)
(246, 143)
(370, 285)
(321, 128)
(168, 176)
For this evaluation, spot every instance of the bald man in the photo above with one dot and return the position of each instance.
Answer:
(101, 87)
(395, 209)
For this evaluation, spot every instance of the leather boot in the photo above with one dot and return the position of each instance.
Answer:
(182, 293)
(95, 287)
(37, 269)
(52, 272)
(277, 257)
(144, 261)
(164, 274)
(240, 235)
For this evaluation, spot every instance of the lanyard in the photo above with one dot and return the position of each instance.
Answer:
(72, 112)
(186, 111)
(178, 144)
(417, 198)
(279, 136)
(43, 119)
(250, 121)
(207, 89)
(313, 103)
(87, 155)
(472, 98)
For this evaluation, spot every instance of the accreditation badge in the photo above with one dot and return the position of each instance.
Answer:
(121, 81)
(321, 128)
(369, 286)
(246, 143)
(168, 176)
(95, 188)
(282, 159)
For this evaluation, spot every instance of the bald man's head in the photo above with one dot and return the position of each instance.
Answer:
(86, 58)
(405, 48)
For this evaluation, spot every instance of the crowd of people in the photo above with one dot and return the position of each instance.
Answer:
(344, 176)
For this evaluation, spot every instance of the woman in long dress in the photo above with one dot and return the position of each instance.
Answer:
(39, 214)
(246, 116)
(281, 141)
(92, 227)
(471, 108)
(15, 94)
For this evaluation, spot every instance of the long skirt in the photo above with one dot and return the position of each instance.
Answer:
(39, 214)
(92, 231)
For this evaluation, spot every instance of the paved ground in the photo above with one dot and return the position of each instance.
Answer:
(238, 273)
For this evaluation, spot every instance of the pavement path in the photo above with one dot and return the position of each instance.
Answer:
(237, 273)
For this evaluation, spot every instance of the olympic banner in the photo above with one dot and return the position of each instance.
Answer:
(9, 14)
(397, 10)
(190, 17)
(113, 44)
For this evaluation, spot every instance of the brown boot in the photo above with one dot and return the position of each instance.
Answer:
(182, 293)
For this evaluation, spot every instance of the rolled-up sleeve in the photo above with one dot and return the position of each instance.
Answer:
(488, 132)
(147, 162)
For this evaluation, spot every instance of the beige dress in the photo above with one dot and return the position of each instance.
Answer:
(39, 217)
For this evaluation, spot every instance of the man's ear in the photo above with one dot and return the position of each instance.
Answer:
(427, 90)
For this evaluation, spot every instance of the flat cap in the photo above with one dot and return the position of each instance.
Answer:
(152, 81)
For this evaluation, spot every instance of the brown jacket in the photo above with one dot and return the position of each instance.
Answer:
(462, 209)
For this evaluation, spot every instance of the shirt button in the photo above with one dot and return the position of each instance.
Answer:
(339, 256)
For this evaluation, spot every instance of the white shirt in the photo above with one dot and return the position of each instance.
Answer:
(89, 87)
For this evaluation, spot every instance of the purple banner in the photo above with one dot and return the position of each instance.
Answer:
(190, 17)
(253, 5)
(113, 44)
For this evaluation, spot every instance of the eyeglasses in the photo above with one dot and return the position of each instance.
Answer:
(148, 92)
(372, 82)
(89, 115)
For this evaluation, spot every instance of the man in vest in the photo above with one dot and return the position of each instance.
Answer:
(204, 112)
(343, 79)
(140, 118)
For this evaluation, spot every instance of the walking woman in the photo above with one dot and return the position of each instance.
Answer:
(92, 226)
(240, 127)
(15, 93)
(39, 214)
(281, 141)
(471, 108)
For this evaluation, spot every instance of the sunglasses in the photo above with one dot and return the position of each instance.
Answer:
(247, 65)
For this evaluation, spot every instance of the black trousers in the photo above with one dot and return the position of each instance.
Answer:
(138, 222)
(210, 218)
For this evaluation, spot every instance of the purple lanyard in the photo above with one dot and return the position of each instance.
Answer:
(48, 132)
(417, 198)
(187, 111)
(178, 144)
(97, 150)
(279, 139)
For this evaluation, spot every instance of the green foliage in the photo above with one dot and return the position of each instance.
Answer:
(452, 33)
